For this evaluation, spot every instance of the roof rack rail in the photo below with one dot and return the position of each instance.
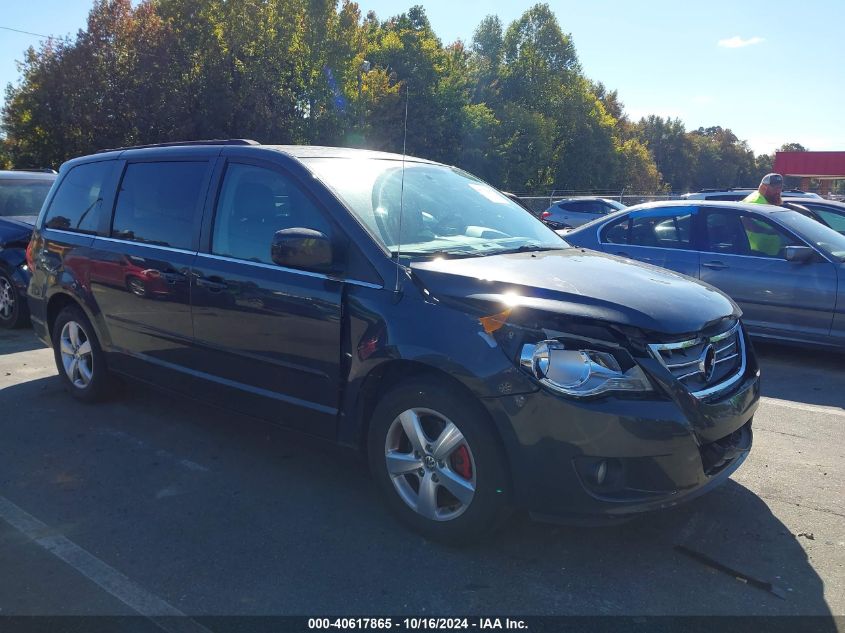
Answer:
(228, 141)
(38, 170)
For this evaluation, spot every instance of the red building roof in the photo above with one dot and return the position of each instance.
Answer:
(811, 164)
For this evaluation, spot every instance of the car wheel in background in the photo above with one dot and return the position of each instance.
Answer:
(13, 312)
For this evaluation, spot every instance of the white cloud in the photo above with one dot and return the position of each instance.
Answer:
(737, 42)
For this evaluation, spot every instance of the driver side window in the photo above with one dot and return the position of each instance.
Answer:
(254, 203)
(734, 234)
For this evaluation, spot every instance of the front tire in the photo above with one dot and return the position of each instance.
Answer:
(13, 312)
(437, 462)
(79, 357)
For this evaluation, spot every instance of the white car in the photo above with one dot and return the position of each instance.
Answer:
(734, 195)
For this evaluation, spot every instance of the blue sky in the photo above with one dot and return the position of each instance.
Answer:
(769, 70)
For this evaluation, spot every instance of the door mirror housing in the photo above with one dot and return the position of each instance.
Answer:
(799, 254)
(304, 249)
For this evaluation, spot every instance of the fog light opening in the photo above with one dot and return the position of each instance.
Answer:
(600, 472)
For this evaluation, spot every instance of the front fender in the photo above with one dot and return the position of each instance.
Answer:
(382, 327)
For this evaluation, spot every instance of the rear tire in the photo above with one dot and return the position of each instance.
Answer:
(437, 461)
(79, 357)
(13, 311)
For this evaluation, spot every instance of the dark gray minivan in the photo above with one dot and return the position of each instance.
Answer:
(402, 308)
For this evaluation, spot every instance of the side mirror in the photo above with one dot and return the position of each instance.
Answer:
(305, 249)
(799, 254)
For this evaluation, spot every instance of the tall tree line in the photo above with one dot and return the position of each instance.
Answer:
(513, 106)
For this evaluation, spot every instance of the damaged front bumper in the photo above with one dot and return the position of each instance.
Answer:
(575, 461)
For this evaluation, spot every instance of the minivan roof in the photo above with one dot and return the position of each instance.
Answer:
(239, 146)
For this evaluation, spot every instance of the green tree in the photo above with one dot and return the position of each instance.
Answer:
(722, 159)
(673, 150)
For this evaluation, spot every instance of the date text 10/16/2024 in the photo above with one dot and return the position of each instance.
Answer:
(413, 624)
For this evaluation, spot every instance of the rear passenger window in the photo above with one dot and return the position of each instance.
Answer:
(255, 203)
(661, 232)
(616, 233)
(582, 206)
(79, 198)
(160, 203)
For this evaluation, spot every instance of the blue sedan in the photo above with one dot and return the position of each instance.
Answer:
(785, 270)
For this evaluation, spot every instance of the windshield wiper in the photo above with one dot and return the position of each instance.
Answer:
(529, 248)
(441, 253)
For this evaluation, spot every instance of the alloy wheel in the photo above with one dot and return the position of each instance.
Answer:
(77, 356)
(7, 299)
(430, 464)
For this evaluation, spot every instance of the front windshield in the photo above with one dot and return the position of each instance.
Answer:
(20, 196)
(444, 211)
(823, 237)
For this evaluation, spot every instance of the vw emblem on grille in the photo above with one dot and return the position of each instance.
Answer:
(707, 364)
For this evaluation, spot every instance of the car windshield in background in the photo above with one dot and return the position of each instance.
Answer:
(822, 236)
(444, 211)
(22, 197)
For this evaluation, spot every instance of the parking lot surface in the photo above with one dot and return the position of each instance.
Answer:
(154, 504)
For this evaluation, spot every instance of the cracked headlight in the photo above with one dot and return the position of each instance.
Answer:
(580, 372)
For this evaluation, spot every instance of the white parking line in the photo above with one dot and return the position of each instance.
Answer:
(185, 463)
(166, 616)
(815, 408)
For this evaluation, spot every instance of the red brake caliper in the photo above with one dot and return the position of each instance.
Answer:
(460, 462)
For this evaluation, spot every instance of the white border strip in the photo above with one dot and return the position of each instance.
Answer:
(166, 616)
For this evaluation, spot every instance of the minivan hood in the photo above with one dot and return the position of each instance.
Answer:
(580, 283)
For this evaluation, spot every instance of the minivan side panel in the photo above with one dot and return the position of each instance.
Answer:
(140, 264)
(143, 293)
(274, 334)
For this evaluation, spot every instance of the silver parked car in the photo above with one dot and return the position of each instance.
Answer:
(785, 270)
(571, 212)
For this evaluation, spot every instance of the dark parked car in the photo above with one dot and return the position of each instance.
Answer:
(828, 212)
(21, 195)
(784, 269)
(402, 308)
(569, 213)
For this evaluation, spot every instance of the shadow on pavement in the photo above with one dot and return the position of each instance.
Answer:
(811, 376)
(21, 340)
(231, 515)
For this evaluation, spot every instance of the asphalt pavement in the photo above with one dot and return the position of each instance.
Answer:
(153, 504)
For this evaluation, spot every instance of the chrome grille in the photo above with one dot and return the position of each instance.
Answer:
(705, 365)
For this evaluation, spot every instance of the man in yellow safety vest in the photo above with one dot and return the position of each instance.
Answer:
(768, 192)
